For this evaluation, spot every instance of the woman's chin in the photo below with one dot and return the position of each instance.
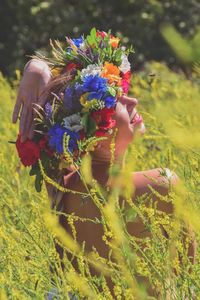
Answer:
(140, 128)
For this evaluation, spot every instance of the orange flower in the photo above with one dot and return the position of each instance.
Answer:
(111, 72)
(114, 41)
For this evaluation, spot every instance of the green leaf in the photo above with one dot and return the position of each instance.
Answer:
(90, 40)
(118, 56)
(38, 182)
(45, 160)
(109, 51)
(84, 120)
(93, 33)
(112, 91)
(34, 170)
(131, 214)
(89, 124)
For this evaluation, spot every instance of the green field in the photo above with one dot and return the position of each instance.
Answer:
(170, 105)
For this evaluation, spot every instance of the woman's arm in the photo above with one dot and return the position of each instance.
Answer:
(35, 78)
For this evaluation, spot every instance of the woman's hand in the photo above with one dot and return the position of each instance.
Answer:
(31, 90)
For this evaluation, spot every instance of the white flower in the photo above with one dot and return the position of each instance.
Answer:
(90, 70)
(168, 174)
(73, 122)
(82, 47)
(125, 65)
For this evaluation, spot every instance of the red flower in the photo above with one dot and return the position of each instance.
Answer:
(127, 76)
(43, 145)
(72, 66)
(103, 34)
(100, 132)
(103, 118)
(82, 134)
(28, 151)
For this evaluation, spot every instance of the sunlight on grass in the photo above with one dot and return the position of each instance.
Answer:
(29, 263)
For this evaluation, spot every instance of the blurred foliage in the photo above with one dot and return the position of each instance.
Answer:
(27, 228)
(27, 25)
(186, 50)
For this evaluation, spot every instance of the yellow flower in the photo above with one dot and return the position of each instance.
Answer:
(56, 71)
(87, 104)
(114, 41)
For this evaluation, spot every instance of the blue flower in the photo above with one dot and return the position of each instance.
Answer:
(95, 95)
(56, 133)
(71, 97)
(77, 42)
(94, 84)
(110, 101)
(68, 97)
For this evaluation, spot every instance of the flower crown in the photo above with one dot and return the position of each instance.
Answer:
(82, 114)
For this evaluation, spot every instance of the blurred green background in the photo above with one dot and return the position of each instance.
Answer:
(27, 25)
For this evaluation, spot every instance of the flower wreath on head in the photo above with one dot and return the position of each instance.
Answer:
(82, 115)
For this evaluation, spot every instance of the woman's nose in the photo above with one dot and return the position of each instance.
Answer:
(128, 101)
(130, 104)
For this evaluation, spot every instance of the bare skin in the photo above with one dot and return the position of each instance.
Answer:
(100, 170)
(92, 233)
(36, 77)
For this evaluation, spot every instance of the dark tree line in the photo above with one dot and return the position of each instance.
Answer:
(27, 25)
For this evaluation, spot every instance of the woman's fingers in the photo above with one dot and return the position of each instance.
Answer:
(23, 122)
(30, 133)
(17, 107)
(42, 99)
(29, 122)
(128, 100)
(35, 79)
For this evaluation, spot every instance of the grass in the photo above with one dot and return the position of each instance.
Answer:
(170, 105)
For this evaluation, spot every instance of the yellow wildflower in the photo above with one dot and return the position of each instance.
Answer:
(114, 41)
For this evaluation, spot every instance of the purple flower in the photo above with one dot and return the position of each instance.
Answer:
(48, 110)
(72, 96)
(56, 133)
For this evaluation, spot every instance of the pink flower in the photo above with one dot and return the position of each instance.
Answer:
(125, 86)
(103, 34)
(126, 80)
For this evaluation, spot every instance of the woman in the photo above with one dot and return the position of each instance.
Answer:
(36, 86)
